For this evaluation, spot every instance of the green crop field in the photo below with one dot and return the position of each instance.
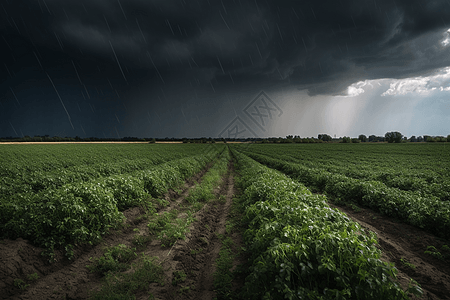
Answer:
(130, 220)
(60, 195)
(407, 181)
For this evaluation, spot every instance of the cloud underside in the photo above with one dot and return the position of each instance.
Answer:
(324, 48)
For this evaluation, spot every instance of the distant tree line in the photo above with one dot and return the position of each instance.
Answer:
(390, 137)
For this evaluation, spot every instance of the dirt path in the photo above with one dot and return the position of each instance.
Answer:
(403, 244)
(197, 258)
(65, 279)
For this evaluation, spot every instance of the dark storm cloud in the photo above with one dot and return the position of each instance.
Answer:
(311, 42)
(97, 51)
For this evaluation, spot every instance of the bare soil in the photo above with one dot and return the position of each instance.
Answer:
(402, 243)
(196, 255)
(71, 279)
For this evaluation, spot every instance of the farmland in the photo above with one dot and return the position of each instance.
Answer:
(241, 221)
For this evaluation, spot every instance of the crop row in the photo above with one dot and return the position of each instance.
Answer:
(82, 212)
(300, 248)
(169, 226)
(38, 180)
(409, 172)
(425, 212)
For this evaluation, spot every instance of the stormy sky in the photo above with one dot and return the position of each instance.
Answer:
(228, 68)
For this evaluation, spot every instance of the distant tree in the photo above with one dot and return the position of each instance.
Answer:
(393, 137)
(325, 137)
(372, 138)
(289, 139)
(356, 140)
(448, 138)
(426, 138)
(346, 139)
(297, 139)
(413, 139)
(419, 139)
(362, 138)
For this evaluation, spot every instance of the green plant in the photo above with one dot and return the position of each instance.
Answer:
(414, 288)
(178, 190)
(159, 222)
(69, 251)
(184, 289)
(19, 283)
(222, 198)
(223, 277)
(141, 240)
(406, 263)
(431, 250)
(49, 254)
(174, 231)
(194, 252)
(162, 202)
(204, 241)
(434, 252)
(178, 277)
(124, 285)
(338, 201)
(114, 259)
(229, 226)
(355, 207)
(33, 276)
